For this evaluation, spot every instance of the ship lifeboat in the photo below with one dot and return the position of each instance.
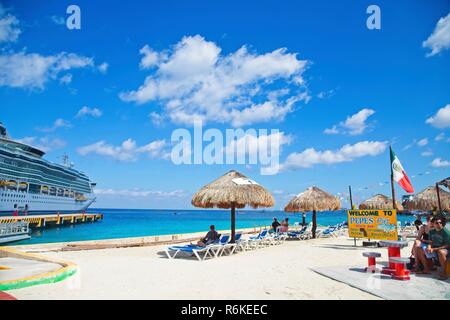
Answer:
(80, 197)
(60, 192)
(66, 192)
(53, 191)
(23, 186)
(72, 194)
(44, 190)
(11, 184)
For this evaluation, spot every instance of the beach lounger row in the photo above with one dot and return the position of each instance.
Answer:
(303, 234)
(224, 247)
(332, 231)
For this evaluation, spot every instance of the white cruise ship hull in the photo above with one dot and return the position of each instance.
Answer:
(41, 203)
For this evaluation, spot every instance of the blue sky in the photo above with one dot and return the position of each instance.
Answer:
(111, 94)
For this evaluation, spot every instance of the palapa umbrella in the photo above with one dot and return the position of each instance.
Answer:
(427, 200)
(313, 199)
(445, 183)
(379, 202)
(230, 191)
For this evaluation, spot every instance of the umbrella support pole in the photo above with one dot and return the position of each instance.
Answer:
(233, 223)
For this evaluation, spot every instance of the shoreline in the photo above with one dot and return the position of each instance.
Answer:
(153, 240)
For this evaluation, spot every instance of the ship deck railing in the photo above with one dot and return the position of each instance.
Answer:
(13, 228)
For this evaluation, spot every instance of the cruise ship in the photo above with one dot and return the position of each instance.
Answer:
(31, 184)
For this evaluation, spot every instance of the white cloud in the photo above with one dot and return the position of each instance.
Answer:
(326, 94)
(58, 20)
(267, 111)
(441, 119)
(9, 26)
(439, 163)
(310, 157)
(252, 145)
(439, 40)
(422, 142)
(428, 153)
(354, 125)
(332, 130)
(150, 57)
(156, 118)
(103, 68)
(439, 137)
(194, 80)
(45, 144)
(127, 151)
(94, 112)
(22, 70)
(59, 123)
(66, 79)
(139, 193)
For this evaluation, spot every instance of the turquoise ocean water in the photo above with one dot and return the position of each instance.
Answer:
(124, 223)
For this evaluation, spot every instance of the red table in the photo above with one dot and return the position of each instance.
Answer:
(401, 272)
(393, 252)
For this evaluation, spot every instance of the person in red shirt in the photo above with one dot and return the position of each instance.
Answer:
(16, 211)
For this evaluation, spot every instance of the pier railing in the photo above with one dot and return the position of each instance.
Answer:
(41, 221)
(13, 228)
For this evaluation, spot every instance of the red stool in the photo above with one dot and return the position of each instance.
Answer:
(401, 272)
(372, 263)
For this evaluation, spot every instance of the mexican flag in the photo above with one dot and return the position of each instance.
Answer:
(399, 174)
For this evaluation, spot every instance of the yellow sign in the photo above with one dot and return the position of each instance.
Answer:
(373, 224)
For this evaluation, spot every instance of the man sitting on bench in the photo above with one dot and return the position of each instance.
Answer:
(437, 248)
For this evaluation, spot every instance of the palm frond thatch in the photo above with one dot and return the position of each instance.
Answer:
(380, 202)
(445, 183)
(427, 200)
(233, 189)
(311, 199)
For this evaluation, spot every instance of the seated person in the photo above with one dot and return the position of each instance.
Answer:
(418, 222)
(275, 225)
(437, 248)
(423, 237)
(284, 225)
(210, 237)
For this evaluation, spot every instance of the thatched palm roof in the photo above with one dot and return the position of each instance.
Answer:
(233, 189)
(311, 199)
(445, 182)
(427, 200)
(380, 202)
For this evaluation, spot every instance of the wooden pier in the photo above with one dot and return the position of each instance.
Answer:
(43, 220)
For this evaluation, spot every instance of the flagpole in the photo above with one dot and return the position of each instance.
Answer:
(394, 206)
(438, 198)
(351, 199)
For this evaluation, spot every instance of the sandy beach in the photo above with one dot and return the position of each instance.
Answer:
(276, 272)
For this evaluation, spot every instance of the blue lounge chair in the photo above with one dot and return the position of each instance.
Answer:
(296, 234)
(259, 240)
(192, 249)
(228, 247)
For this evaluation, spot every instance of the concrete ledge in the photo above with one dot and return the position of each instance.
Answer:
(67, 269)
